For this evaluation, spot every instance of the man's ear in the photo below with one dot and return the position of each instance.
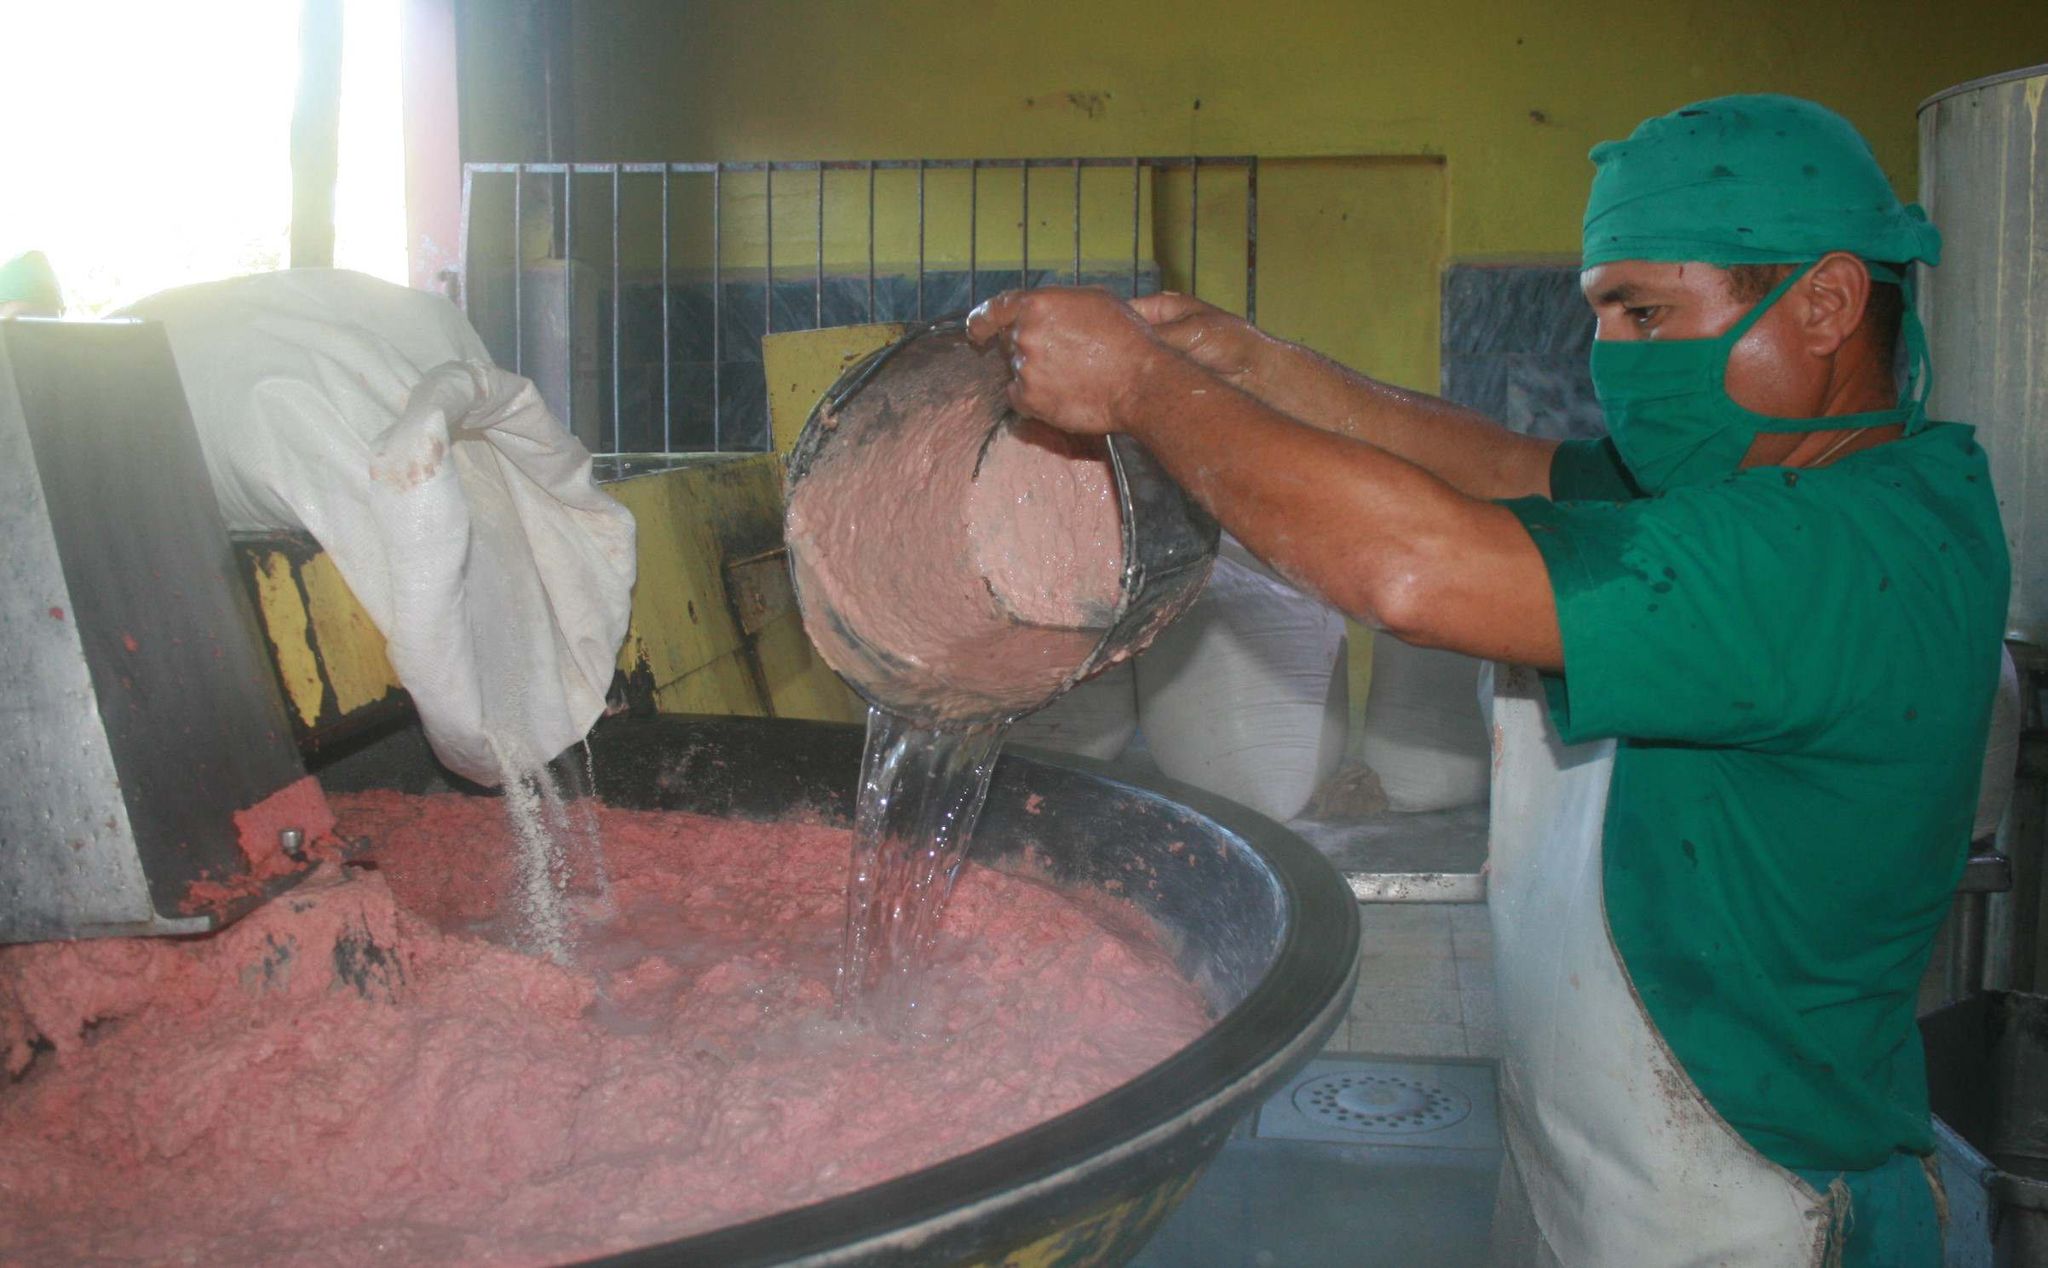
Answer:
(1833, 295)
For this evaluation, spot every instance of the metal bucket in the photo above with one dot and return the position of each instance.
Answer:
(1168, 542)
(1256, 918)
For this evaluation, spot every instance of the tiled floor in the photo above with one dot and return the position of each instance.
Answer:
(1272, 1202)
(1425, 983)
(1295, 1204)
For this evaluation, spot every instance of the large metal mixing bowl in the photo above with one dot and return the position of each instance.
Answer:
(1255, 916)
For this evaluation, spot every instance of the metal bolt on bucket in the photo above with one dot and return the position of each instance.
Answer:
(952, 600)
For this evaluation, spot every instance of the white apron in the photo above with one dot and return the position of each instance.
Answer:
(1614, 1157)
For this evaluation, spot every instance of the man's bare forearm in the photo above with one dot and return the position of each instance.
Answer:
(1461, 447)
(1375, 534)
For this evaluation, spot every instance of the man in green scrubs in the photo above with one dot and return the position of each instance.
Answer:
(1776, 585)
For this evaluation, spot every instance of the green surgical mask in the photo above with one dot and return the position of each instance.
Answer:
(1668, 409)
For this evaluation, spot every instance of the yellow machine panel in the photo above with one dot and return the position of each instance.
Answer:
(714, 629)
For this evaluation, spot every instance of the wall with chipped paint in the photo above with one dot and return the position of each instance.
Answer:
(1511, 94)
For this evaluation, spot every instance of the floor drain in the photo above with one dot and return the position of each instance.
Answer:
(1374, 1103)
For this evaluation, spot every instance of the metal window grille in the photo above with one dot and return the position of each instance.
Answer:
(636, 295)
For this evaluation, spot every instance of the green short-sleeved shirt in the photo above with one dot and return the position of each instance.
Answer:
(1799, 667)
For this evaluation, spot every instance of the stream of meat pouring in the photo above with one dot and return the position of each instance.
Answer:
(1028, 520)
(960, 566)
(1043, 535)
(1043, 532)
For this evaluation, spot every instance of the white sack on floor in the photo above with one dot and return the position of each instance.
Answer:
(1244, 696)
(1423, 732)
(1096, 719)
(461, 514)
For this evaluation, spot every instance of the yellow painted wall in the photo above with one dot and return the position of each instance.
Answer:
(1511, 93)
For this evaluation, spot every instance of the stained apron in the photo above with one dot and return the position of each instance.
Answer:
(1613, 1156)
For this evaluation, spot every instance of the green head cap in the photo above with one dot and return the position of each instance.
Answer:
(1762, 179)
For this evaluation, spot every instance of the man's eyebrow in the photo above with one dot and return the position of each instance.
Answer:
(1619, 293)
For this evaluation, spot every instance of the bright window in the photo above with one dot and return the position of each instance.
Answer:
(149, 144)
(369, 195)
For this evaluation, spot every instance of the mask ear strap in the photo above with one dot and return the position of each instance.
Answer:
(1919, 365)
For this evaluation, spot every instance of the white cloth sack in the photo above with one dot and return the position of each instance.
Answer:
(1244, 696)
(462, 515)
(1423, 733)
(1096, 719)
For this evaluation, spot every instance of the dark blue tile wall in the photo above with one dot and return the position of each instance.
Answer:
(1515, 343)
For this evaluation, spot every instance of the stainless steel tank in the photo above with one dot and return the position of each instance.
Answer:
(1984, 179)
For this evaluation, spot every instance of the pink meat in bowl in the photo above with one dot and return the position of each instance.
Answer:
(499, 1109)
